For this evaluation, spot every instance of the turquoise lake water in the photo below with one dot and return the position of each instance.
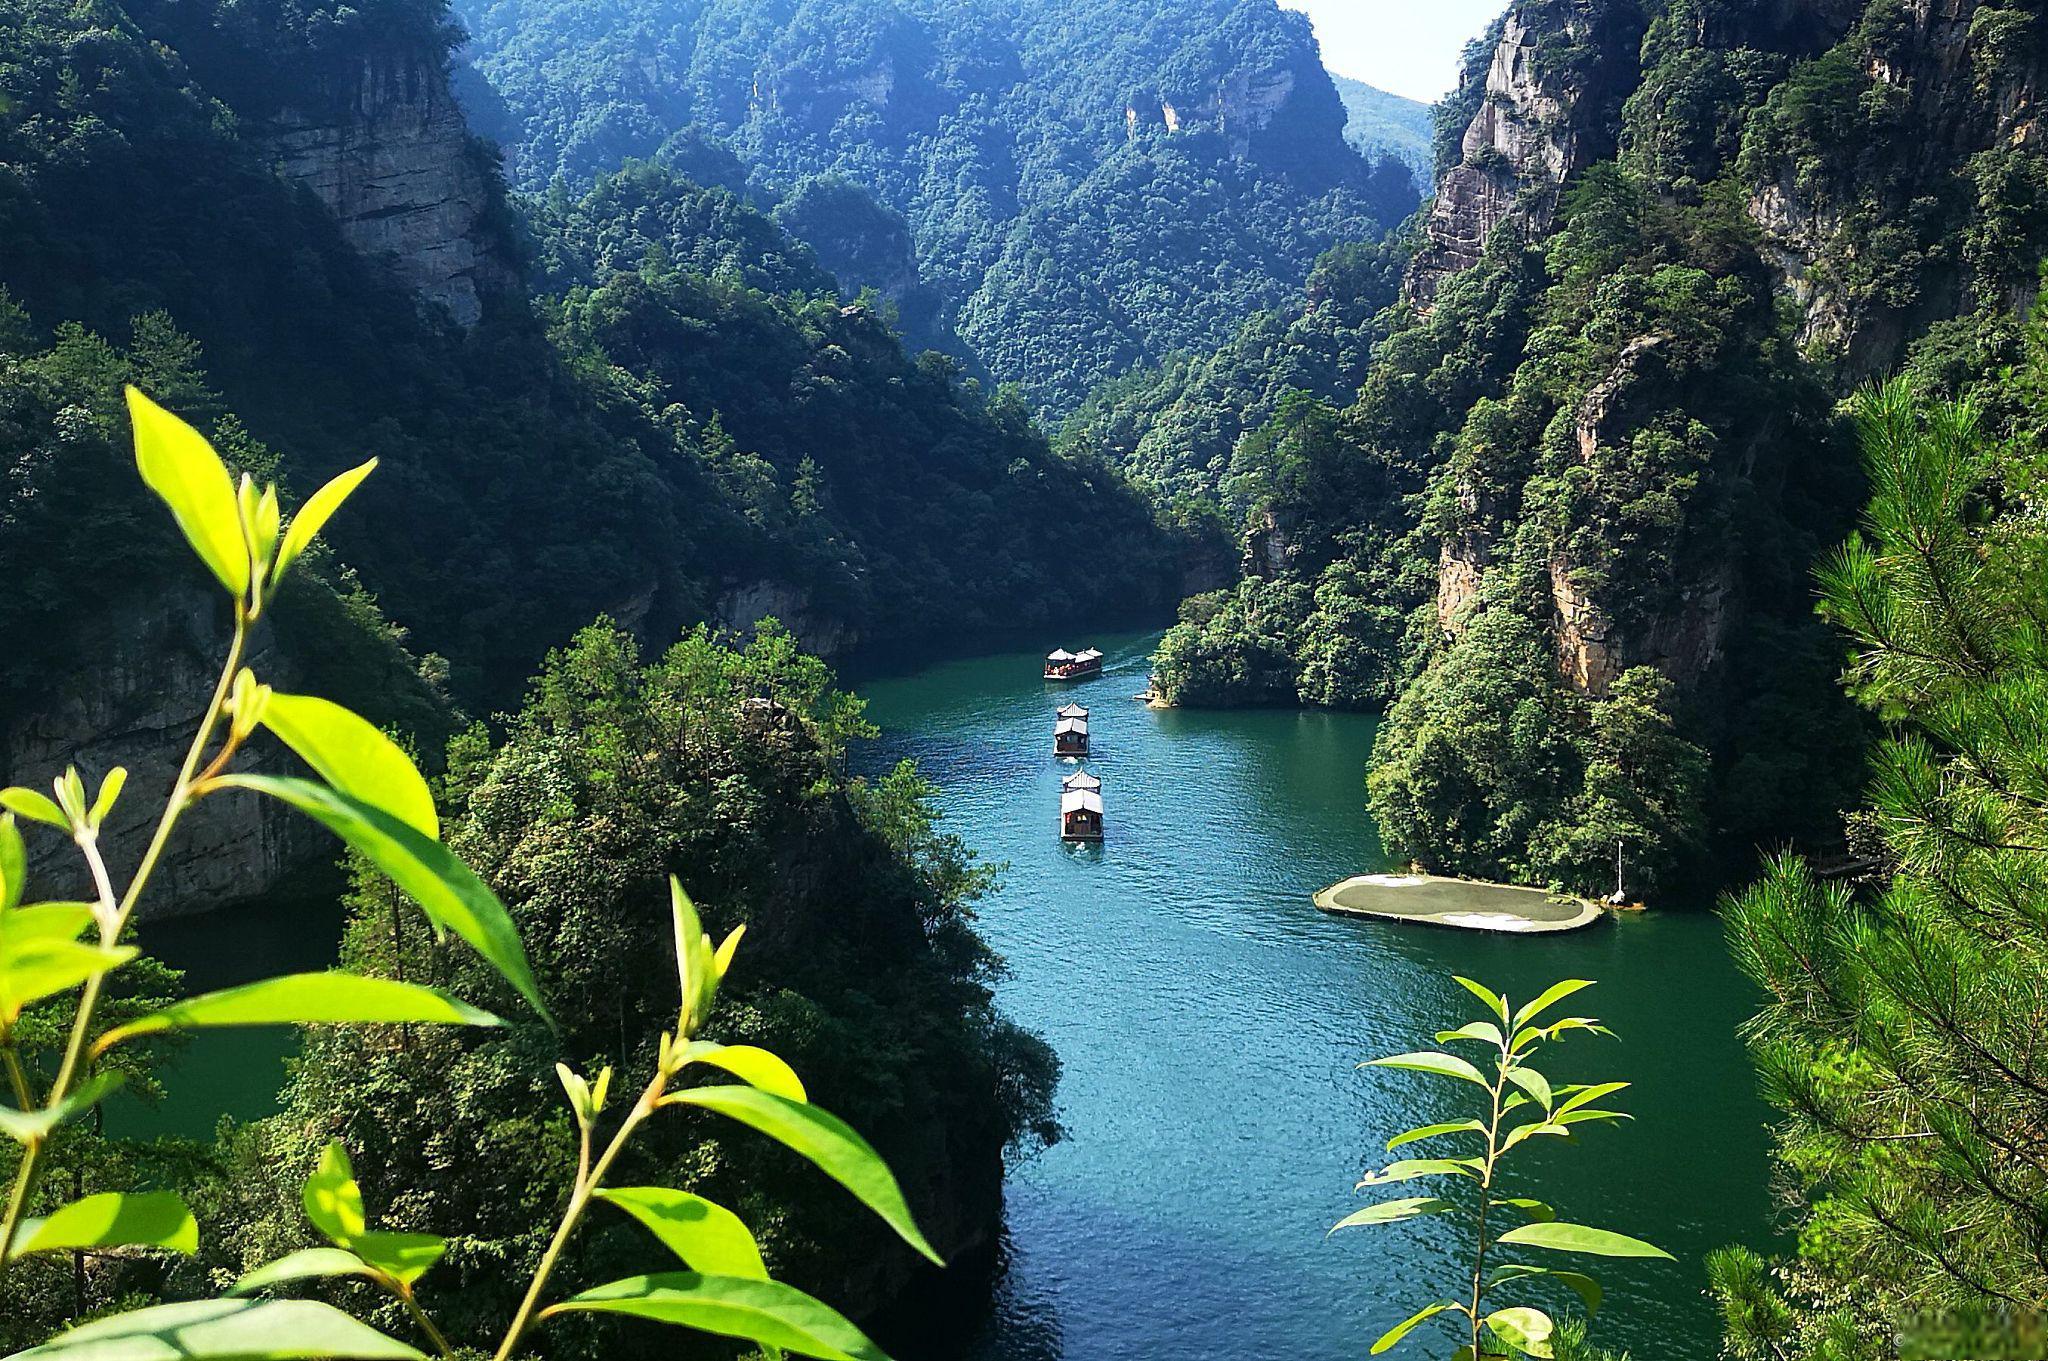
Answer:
(1209, 1020)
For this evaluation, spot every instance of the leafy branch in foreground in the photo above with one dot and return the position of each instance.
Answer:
(368, 792)
(1510, 1083)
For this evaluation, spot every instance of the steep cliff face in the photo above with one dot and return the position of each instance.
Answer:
(1270, 113)
(820, 630)
(1551, 90)
(1874, 248)
(1889, 161)
(387, 151)
(137, 706)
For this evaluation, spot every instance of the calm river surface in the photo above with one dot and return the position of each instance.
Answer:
(1209, 1020)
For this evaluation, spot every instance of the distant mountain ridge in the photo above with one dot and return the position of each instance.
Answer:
(1380, 123)
(1086, 186)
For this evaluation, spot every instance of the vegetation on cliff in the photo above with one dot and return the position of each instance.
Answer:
(1616, 431)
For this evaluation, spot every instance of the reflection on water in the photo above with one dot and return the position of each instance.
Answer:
(1209, 1021)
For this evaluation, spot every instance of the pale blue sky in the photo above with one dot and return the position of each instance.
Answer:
(1408, 46)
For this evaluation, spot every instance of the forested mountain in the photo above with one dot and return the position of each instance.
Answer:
(1068, 188)
(1381, 124)
(649, 445)
(1566, 525)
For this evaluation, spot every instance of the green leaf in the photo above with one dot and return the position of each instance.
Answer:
(304, 1265)
(33, 806)
(140, 1219)
(26, 1126)
(354, 756)
(31, 970)
(1534, 1209)
(40, 923)
(313, 516)
(766, 1312)
(827, 1141)
(224, 1330)
(1532, 1082)
(751, 1064)
(708, 1237)
(1587, 1095)
(332, 998)
(1525, 1329)
(1408, 1169)
(1585, 1113)
(1471, 1030)
(110, 790)
(180, 466)
(1393, 1335)
(1555, 993)
(1587, 1289)
(446, 889)
(13, 863)
(1556, 1028)
(1494, 1002)
(1392, 1212)
(1530, 1131)
(578, 1092)
(1431, 1131)
(697, 971)
(1580, 1238)
(1429, 1061)
(403, 1256)
(332, 1199)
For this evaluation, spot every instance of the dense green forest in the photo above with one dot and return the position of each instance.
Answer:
(632, 446)
(1062, 190)
(1590, 469)
(721, 765)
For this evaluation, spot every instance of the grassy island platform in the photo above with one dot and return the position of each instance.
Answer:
(1467, 904)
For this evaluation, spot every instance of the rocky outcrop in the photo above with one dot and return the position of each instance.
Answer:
(137, 706)
(1461, 568)
(1965, 79)
(743, 605)
(1267, 547)
(1540, 120)
(389, 153)
(1683, 642)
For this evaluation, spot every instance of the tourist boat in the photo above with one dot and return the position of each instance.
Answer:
(1062, 665)
(1080, 808)
(1070, 731)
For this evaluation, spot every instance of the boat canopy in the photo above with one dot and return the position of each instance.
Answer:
(1080, 779)
(1060, 654)
(1089, 655)
(1080, 801)
(1072, 711)
(1067, 725)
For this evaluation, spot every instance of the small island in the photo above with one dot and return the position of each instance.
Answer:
(1467, 904)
